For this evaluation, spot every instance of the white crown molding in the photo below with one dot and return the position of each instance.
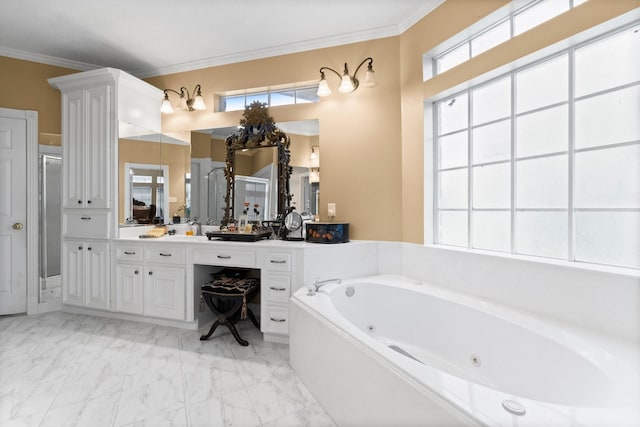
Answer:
(46, 59)
(284, 49)
(420, 13)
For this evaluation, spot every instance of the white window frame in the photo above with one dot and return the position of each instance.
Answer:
(432, 155)
(508, 13)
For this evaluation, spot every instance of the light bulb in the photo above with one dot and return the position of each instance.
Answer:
(182, 103)
(370, 78)
(198, 103)
(323, 88)
(346, 85)
(166, 107)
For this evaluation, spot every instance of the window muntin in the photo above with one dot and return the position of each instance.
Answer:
(575, 162)
(288, 96)
(519, 21)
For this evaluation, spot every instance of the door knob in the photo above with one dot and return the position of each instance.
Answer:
(18, 226)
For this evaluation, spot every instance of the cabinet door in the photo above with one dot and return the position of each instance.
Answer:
(164, 292)
(72, 148)
(73, 272)
(97, 154)
(129, 282)
(97, 275)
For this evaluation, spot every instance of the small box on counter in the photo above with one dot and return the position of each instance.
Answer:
(327, 232)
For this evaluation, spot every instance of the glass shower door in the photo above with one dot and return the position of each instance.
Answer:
(50, 228)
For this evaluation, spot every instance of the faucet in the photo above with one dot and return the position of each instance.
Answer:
(317, 284)
(198, 227)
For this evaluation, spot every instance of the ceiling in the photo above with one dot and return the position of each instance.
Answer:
(156, 37)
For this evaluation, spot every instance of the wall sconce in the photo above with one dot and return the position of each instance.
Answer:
(348, 83)
(186, 102)
(314, 160)
(314, 175)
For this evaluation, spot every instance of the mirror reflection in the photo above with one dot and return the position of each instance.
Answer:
(253, 166)
(154, 178)
(186, 181)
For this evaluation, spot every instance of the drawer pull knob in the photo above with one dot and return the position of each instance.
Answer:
(224, 256)
(89, 248)
(273, 319)
(129, 253)
(277, 289)
(89, 201)
(79, 248)
(278, 261)
(79, 202)
(136, 272)
(151, 273)
(163, 254)
(85, 218)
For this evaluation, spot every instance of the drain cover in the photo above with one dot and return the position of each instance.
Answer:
(514, 407)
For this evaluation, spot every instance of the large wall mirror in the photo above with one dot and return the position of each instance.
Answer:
(153, 179)
(256, 173)
(192, 175)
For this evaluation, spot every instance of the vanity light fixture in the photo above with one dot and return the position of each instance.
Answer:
(314, 160)
(186, 101)
(313, 155)
(348, 83)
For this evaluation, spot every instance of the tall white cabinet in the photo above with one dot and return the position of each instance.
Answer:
(98, 107)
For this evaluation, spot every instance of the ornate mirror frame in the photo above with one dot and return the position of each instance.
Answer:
(258, 130)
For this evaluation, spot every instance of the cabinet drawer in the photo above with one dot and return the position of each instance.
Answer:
(277, 261)
(277, 320)
(234, 258)
(129, 253)
(276, 288)
(86, 225)
(165, 255)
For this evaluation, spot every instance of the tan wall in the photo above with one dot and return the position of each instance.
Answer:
(23, 86)
(359, 132)
(176, 157)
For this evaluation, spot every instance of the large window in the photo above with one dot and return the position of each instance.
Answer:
(529, 15)
(545, 160)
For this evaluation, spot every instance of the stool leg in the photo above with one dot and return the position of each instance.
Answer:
(213, 328)
(253, 318)
(236, 335)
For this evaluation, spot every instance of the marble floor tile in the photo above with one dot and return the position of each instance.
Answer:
(98, 412)
(174, 418)
(143, 402)
(314, 416)
(233, 409)
(62, 370)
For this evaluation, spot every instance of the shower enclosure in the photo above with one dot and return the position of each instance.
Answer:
(50, 187)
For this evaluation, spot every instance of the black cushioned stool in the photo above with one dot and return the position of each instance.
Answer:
(227, 295)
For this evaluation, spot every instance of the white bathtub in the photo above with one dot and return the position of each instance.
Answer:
(399, 353)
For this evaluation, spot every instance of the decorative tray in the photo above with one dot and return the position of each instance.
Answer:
(237, 236)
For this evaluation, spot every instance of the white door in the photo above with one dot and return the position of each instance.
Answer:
(13, 215)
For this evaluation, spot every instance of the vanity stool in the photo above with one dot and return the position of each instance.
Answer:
(227, 296)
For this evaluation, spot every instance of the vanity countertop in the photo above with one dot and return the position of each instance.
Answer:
(131, 234)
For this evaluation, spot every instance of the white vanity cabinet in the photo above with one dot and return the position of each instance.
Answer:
(98, 107)
(85, 268)
(150, 280)
(129, 277)
(165, 282)
(279, 276)
(87, 131)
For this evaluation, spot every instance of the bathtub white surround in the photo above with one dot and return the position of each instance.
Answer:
(404, 352)
(605, 300)
(579, 322)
